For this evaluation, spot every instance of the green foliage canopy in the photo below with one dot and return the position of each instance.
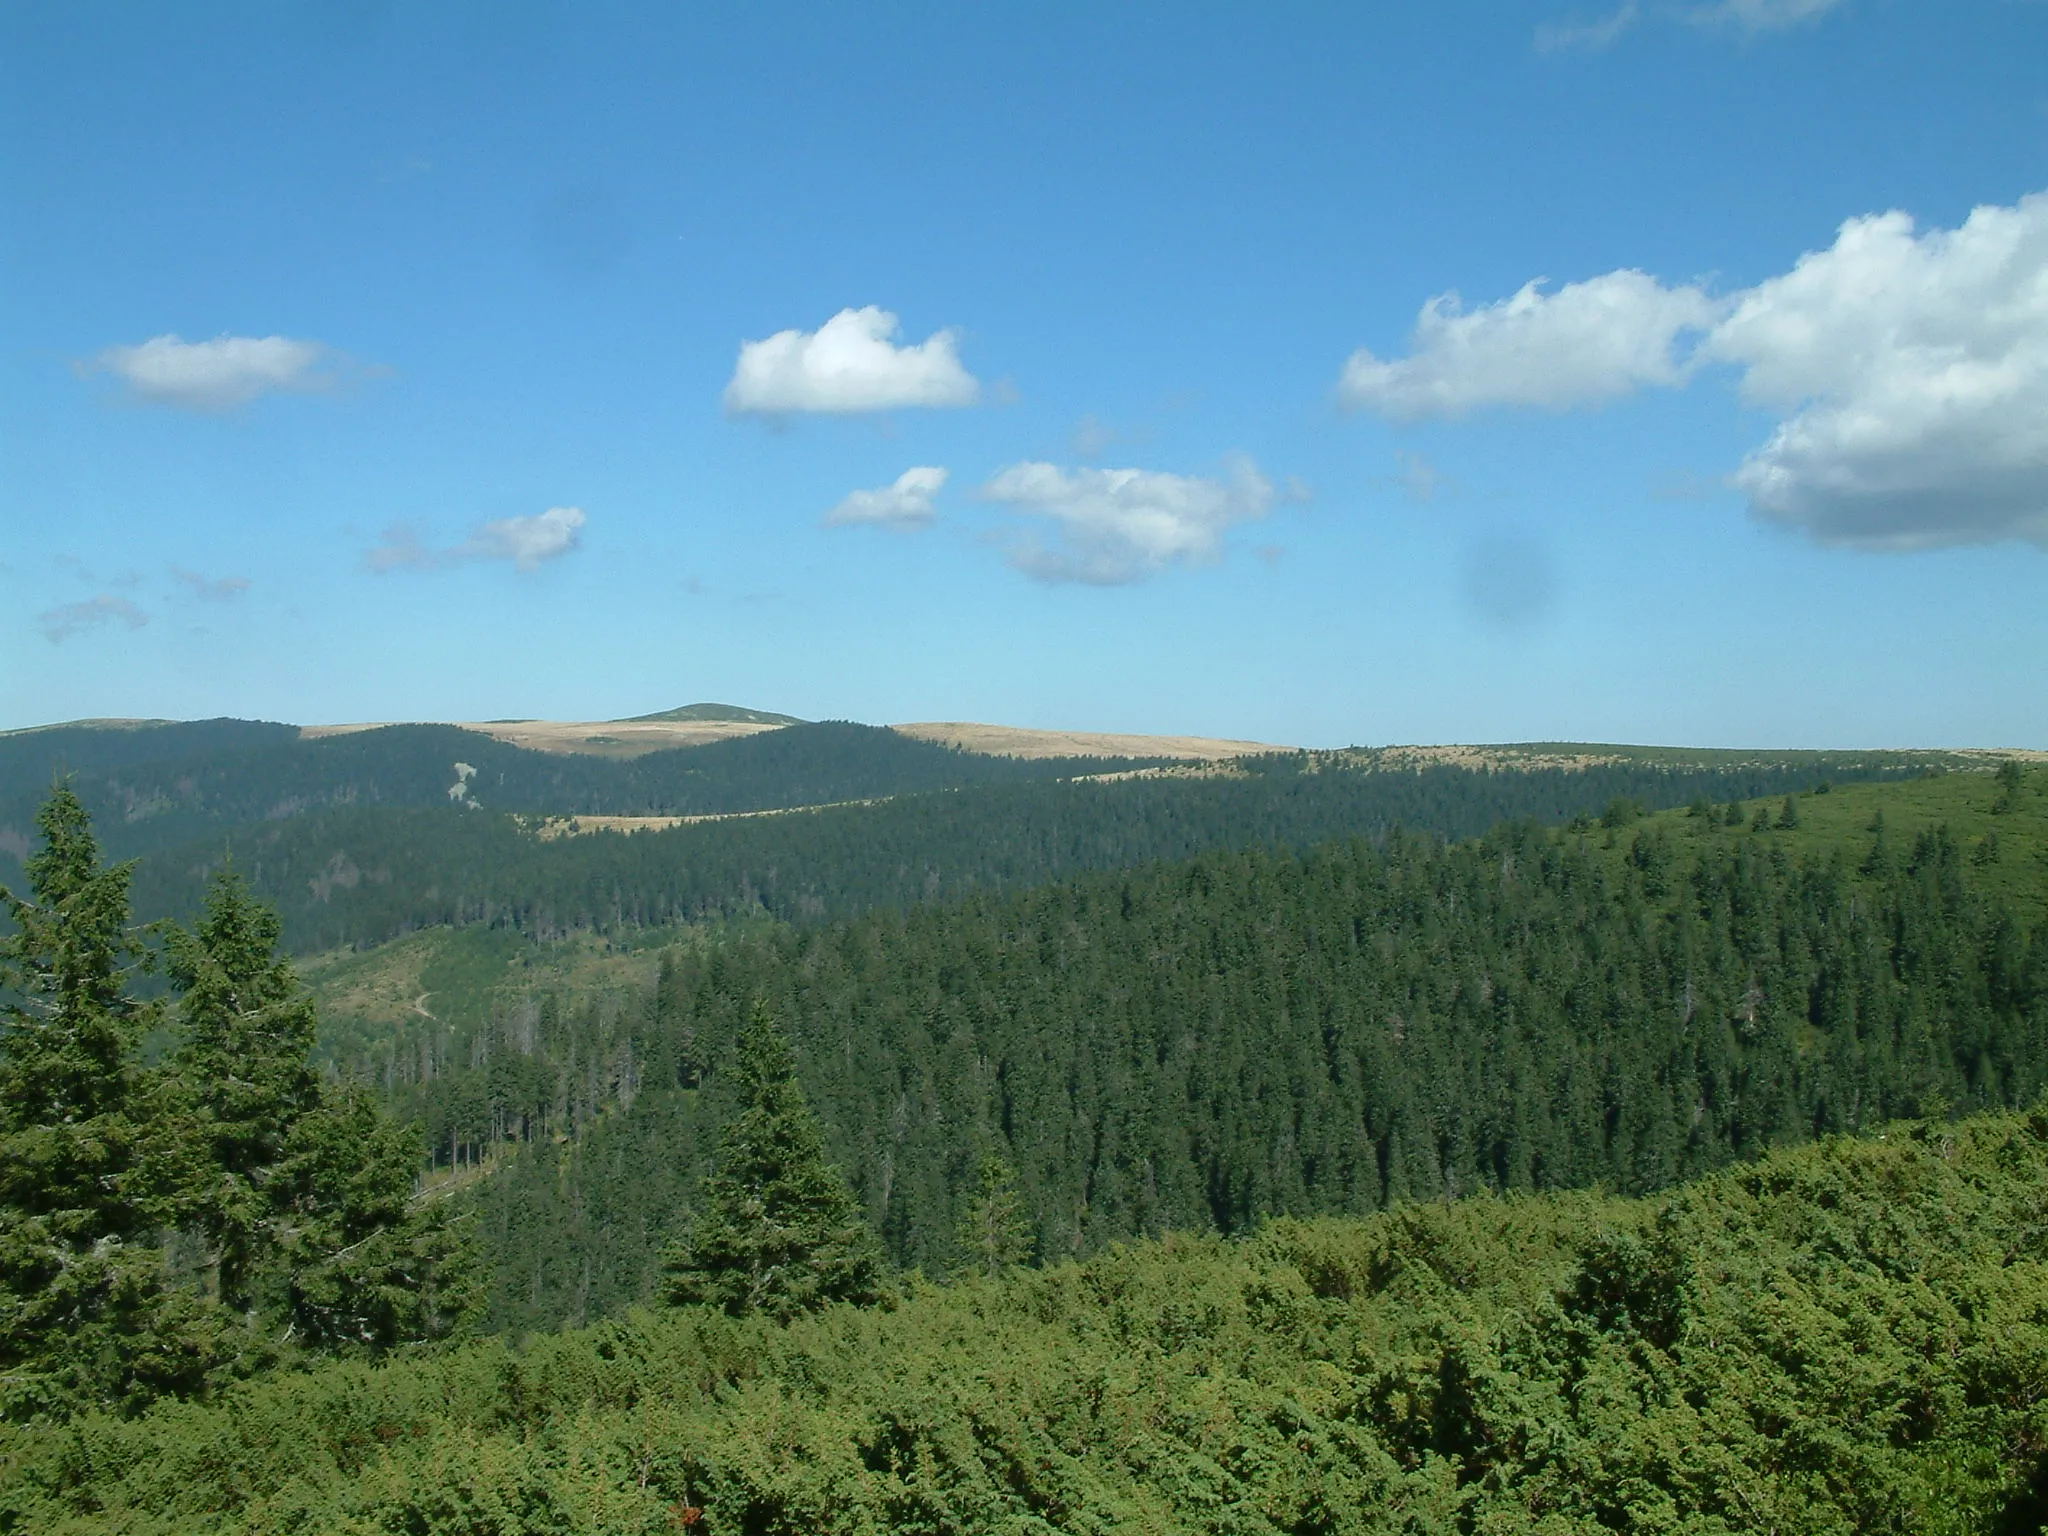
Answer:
(1212, 1042)
(780, 1233)
(1850, 1336)
(995, 1232)
(84, 1314)
(163, 1230)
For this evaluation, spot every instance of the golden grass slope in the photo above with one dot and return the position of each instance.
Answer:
(596, 738)
(635, 738)
(1021, 741)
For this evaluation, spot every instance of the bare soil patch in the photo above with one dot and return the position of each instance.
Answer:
(548, 828)
(570, 826)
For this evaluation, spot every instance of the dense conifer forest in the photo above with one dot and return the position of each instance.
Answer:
(165, 1229)
(362, 875)
(155, 786)
(1203, 1044)
(1245, 1177)
(360, 837)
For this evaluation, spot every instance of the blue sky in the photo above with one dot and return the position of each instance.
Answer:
(1106, 367)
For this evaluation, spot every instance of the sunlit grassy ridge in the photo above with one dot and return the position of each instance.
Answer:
(2004, 833)
(1850, 1336)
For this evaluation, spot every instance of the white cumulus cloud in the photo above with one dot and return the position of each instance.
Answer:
(1585, 343)
(905, 504)
(1751, 17)
(849, 364)
(68, 619)
(527, 542)
(1908, 371)
(1911, 371)
(215, 375)
(1112, 526)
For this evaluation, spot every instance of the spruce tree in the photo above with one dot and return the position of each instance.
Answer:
(2010, 779)
(85, 1319)
(306, 1197)
(67, 1073)
(241, 1071)
(780, 1233)
(994, 1232)
(365, 1262)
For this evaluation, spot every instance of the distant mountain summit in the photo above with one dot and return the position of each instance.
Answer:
(730, 712)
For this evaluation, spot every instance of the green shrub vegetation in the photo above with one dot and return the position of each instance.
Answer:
(1847, 1337)
(2008, 809)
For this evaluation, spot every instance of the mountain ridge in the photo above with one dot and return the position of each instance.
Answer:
(730, 712)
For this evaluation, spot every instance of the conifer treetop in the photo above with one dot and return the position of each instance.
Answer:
(780, 1233)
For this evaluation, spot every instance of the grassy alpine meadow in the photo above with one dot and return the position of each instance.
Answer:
(1850, 1336)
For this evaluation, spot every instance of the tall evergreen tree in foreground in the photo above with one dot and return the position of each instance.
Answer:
(300, 1201)
(248, 1028)
(84, 1315)
(780, 1233)
(304, 1196)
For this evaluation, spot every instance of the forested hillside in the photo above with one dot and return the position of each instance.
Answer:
(1849, 1337)
(335, 829)
(151, 787)
(1205, 1043)
(361, 875)
(29, 758)
(1235, 1060)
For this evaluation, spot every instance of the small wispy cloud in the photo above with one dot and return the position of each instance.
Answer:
(526, 542)
(67, 619)
(1763, 15)
(905, 505)
(849, 365)
(1093, 438)
(1418, 479)
(1555, 37)
(1750, 17)
(216, 589)
(407, 168)
(216, 375)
